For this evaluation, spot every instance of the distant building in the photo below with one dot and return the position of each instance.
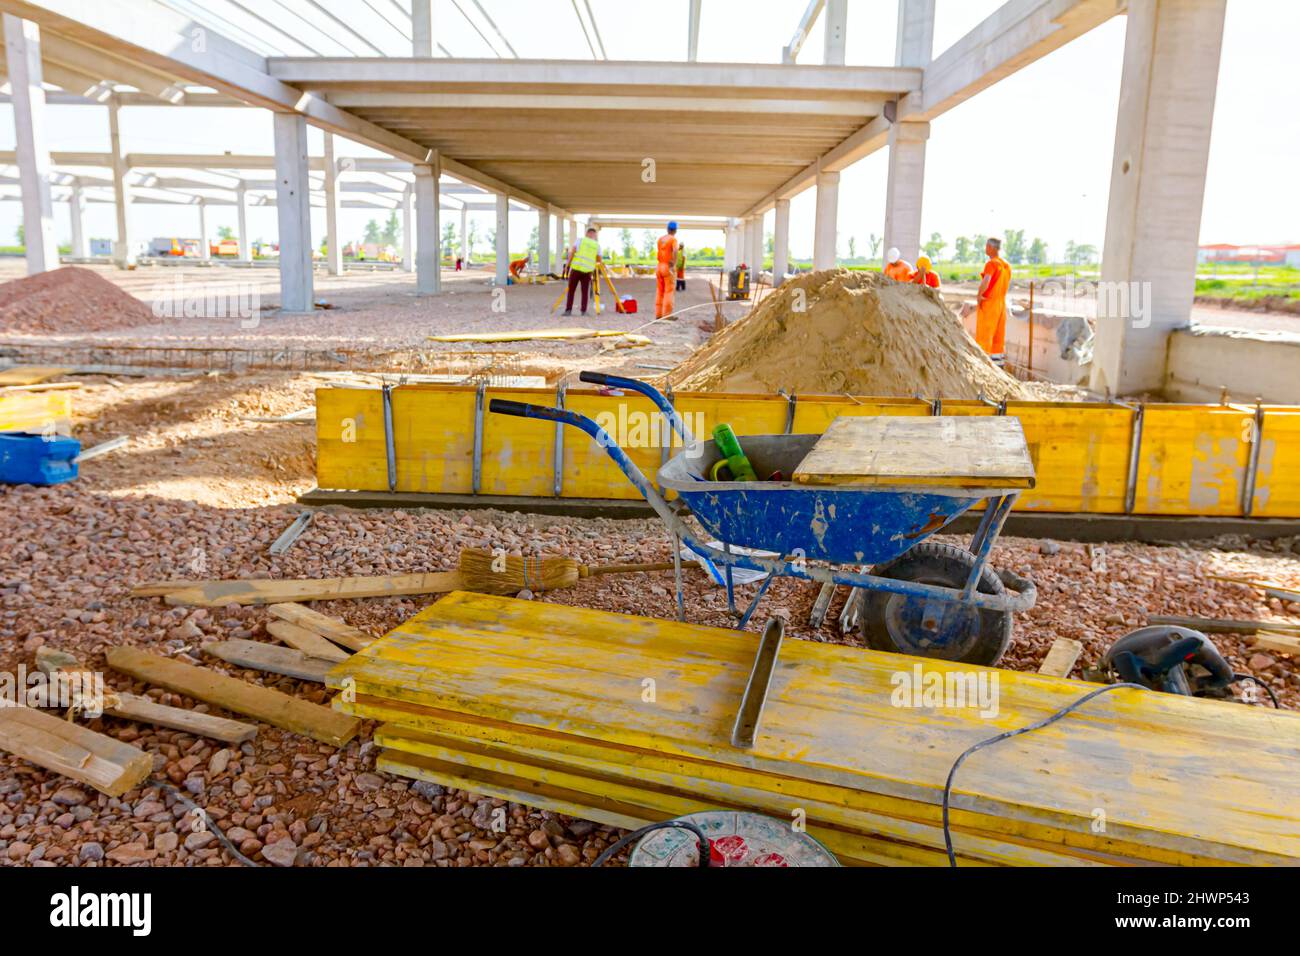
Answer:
(1287, 254)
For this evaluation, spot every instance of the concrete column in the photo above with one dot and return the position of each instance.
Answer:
(731, 249)
(781, 243)
(915, 37)
(561, 253)
(122, 254)
(76, 212)
(241, 207)
(825, 234)
(503, 238)
(464, 235)
(408, 233)
(428, 241)
(422, 27)
(837, 17)
(755, 253)
(333, 248)
(205, 248)
(23, 53)
(1157, 189)
(905, 189)
(293, 211)
(543, 241)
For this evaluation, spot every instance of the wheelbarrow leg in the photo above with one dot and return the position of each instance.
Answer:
(753, 605)
(995, 516)
(731, 587)
(677, 575)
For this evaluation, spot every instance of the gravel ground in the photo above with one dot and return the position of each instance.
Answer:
(202, 493)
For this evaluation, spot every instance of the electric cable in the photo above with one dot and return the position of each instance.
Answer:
(1038, 725)
(613, 848)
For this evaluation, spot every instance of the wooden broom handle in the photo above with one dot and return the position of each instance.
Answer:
(590, 570)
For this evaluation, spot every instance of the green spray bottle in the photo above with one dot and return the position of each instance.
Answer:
(733, 457)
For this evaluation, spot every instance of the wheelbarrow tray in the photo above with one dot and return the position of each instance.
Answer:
(848, 524)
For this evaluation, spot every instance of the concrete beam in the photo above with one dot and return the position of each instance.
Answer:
(866, 104)
(503, 240)
(590, 78)
(781, 243)
(826, 235)
(293, 211)
(1157, 189)
(790, 52)
(333, 245)
(1016, 35)
(23, 56)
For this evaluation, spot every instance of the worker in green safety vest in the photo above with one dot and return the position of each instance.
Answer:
(583, 260)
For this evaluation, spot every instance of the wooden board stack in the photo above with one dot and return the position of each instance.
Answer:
(626, 720)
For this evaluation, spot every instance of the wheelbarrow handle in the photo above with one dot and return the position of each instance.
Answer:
(649, 391)
(501, 406)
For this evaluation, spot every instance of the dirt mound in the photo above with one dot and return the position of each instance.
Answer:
(836, 332)
(70, 299)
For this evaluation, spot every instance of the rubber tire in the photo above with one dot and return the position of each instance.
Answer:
(943, 564)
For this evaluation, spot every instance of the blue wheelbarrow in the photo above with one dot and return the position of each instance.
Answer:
(918, 597)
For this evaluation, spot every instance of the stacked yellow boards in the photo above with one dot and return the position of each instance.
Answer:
(626, 720)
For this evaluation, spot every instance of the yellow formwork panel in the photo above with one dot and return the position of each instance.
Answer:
(1192, 460)
(1277, 483)
(34, 411)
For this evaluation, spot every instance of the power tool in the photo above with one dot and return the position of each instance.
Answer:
(1172, 660)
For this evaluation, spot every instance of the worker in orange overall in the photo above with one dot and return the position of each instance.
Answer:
(666, 272)
(924, 275)
(517, 267)
(991, 309)
(896, 267)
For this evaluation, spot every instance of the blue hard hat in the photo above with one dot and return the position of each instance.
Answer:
(672, 225)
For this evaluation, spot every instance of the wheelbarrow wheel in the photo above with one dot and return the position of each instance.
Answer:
(950, 631)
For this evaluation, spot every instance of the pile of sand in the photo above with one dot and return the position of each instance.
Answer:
(70, 299)
(837, 332)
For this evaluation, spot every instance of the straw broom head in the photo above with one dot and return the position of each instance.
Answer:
(509, 573)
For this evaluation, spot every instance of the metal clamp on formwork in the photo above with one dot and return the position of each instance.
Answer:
(936, 407)
(560, 391)
(792, 400)
(476, 480)
(1134, 456)
(389, 447)
(1252, 463)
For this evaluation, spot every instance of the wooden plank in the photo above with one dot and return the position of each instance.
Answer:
(309, 642)
(220, 593)
(267, 705)
(338, 631)
(271, 658)
(527, 335)
(832, 718)
(1283, 643)
(30, 374)
(1223, 625)
(1061, 657)
(144, 710)
(956, 451)
(67, 748)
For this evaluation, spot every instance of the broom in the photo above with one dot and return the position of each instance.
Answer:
(508, 573)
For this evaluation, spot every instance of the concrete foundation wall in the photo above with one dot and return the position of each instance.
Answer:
(1202, 362)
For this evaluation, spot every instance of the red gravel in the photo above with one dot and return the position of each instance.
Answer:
(70, 299)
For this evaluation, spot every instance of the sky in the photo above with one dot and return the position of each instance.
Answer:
(1032, 152)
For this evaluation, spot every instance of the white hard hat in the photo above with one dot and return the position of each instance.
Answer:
(893, 255)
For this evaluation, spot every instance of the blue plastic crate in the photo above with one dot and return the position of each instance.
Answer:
(37, 460)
